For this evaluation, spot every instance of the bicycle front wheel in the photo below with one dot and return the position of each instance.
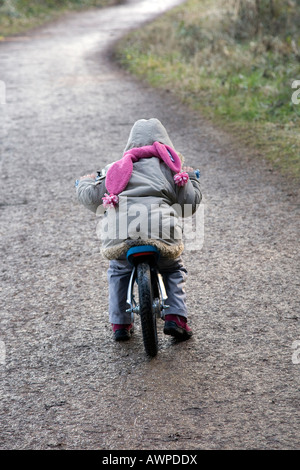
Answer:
(147, 313)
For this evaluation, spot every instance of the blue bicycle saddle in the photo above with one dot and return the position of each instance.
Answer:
(142, 250)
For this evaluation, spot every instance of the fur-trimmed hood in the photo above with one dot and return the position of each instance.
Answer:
(146, 132)
(150, 207)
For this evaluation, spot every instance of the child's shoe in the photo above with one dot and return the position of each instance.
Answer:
(176, 325)
(122, 332)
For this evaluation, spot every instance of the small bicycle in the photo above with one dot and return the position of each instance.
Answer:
(151, 293)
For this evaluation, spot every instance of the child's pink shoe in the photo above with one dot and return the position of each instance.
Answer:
(176, 325)
(122, 332)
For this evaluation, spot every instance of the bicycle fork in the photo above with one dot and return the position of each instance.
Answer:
(159, 304)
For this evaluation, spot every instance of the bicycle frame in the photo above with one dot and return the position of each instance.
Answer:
(134, 255)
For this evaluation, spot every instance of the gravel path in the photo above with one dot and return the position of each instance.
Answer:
(65, 384)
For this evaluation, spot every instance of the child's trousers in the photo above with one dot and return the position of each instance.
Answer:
(174, 276)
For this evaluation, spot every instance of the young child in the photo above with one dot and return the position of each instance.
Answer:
(141, 197)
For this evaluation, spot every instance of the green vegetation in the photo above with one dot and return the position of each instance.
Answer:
(235, 62)
(17, 16)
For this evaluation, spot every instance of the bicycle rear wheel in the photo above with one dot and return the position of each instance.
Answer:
(147, 312)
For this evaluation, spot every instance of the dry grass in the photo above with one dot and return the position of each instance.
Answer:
(18, 16)
(243, 84)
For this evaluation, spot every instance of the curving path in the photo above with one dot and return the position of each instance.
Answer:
(65, 384)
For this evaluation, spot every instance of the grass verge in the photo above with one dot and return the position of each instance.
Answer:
(235, 72)
(18, 16)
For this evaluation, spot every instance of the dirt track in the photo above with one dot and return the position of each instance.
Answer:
(65, 384)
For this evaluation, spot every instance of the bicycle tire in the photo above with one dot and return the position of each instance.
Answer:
(147, 314)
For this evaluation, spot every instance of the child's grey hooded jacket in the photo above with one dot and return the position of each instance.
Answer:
(151, 206)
